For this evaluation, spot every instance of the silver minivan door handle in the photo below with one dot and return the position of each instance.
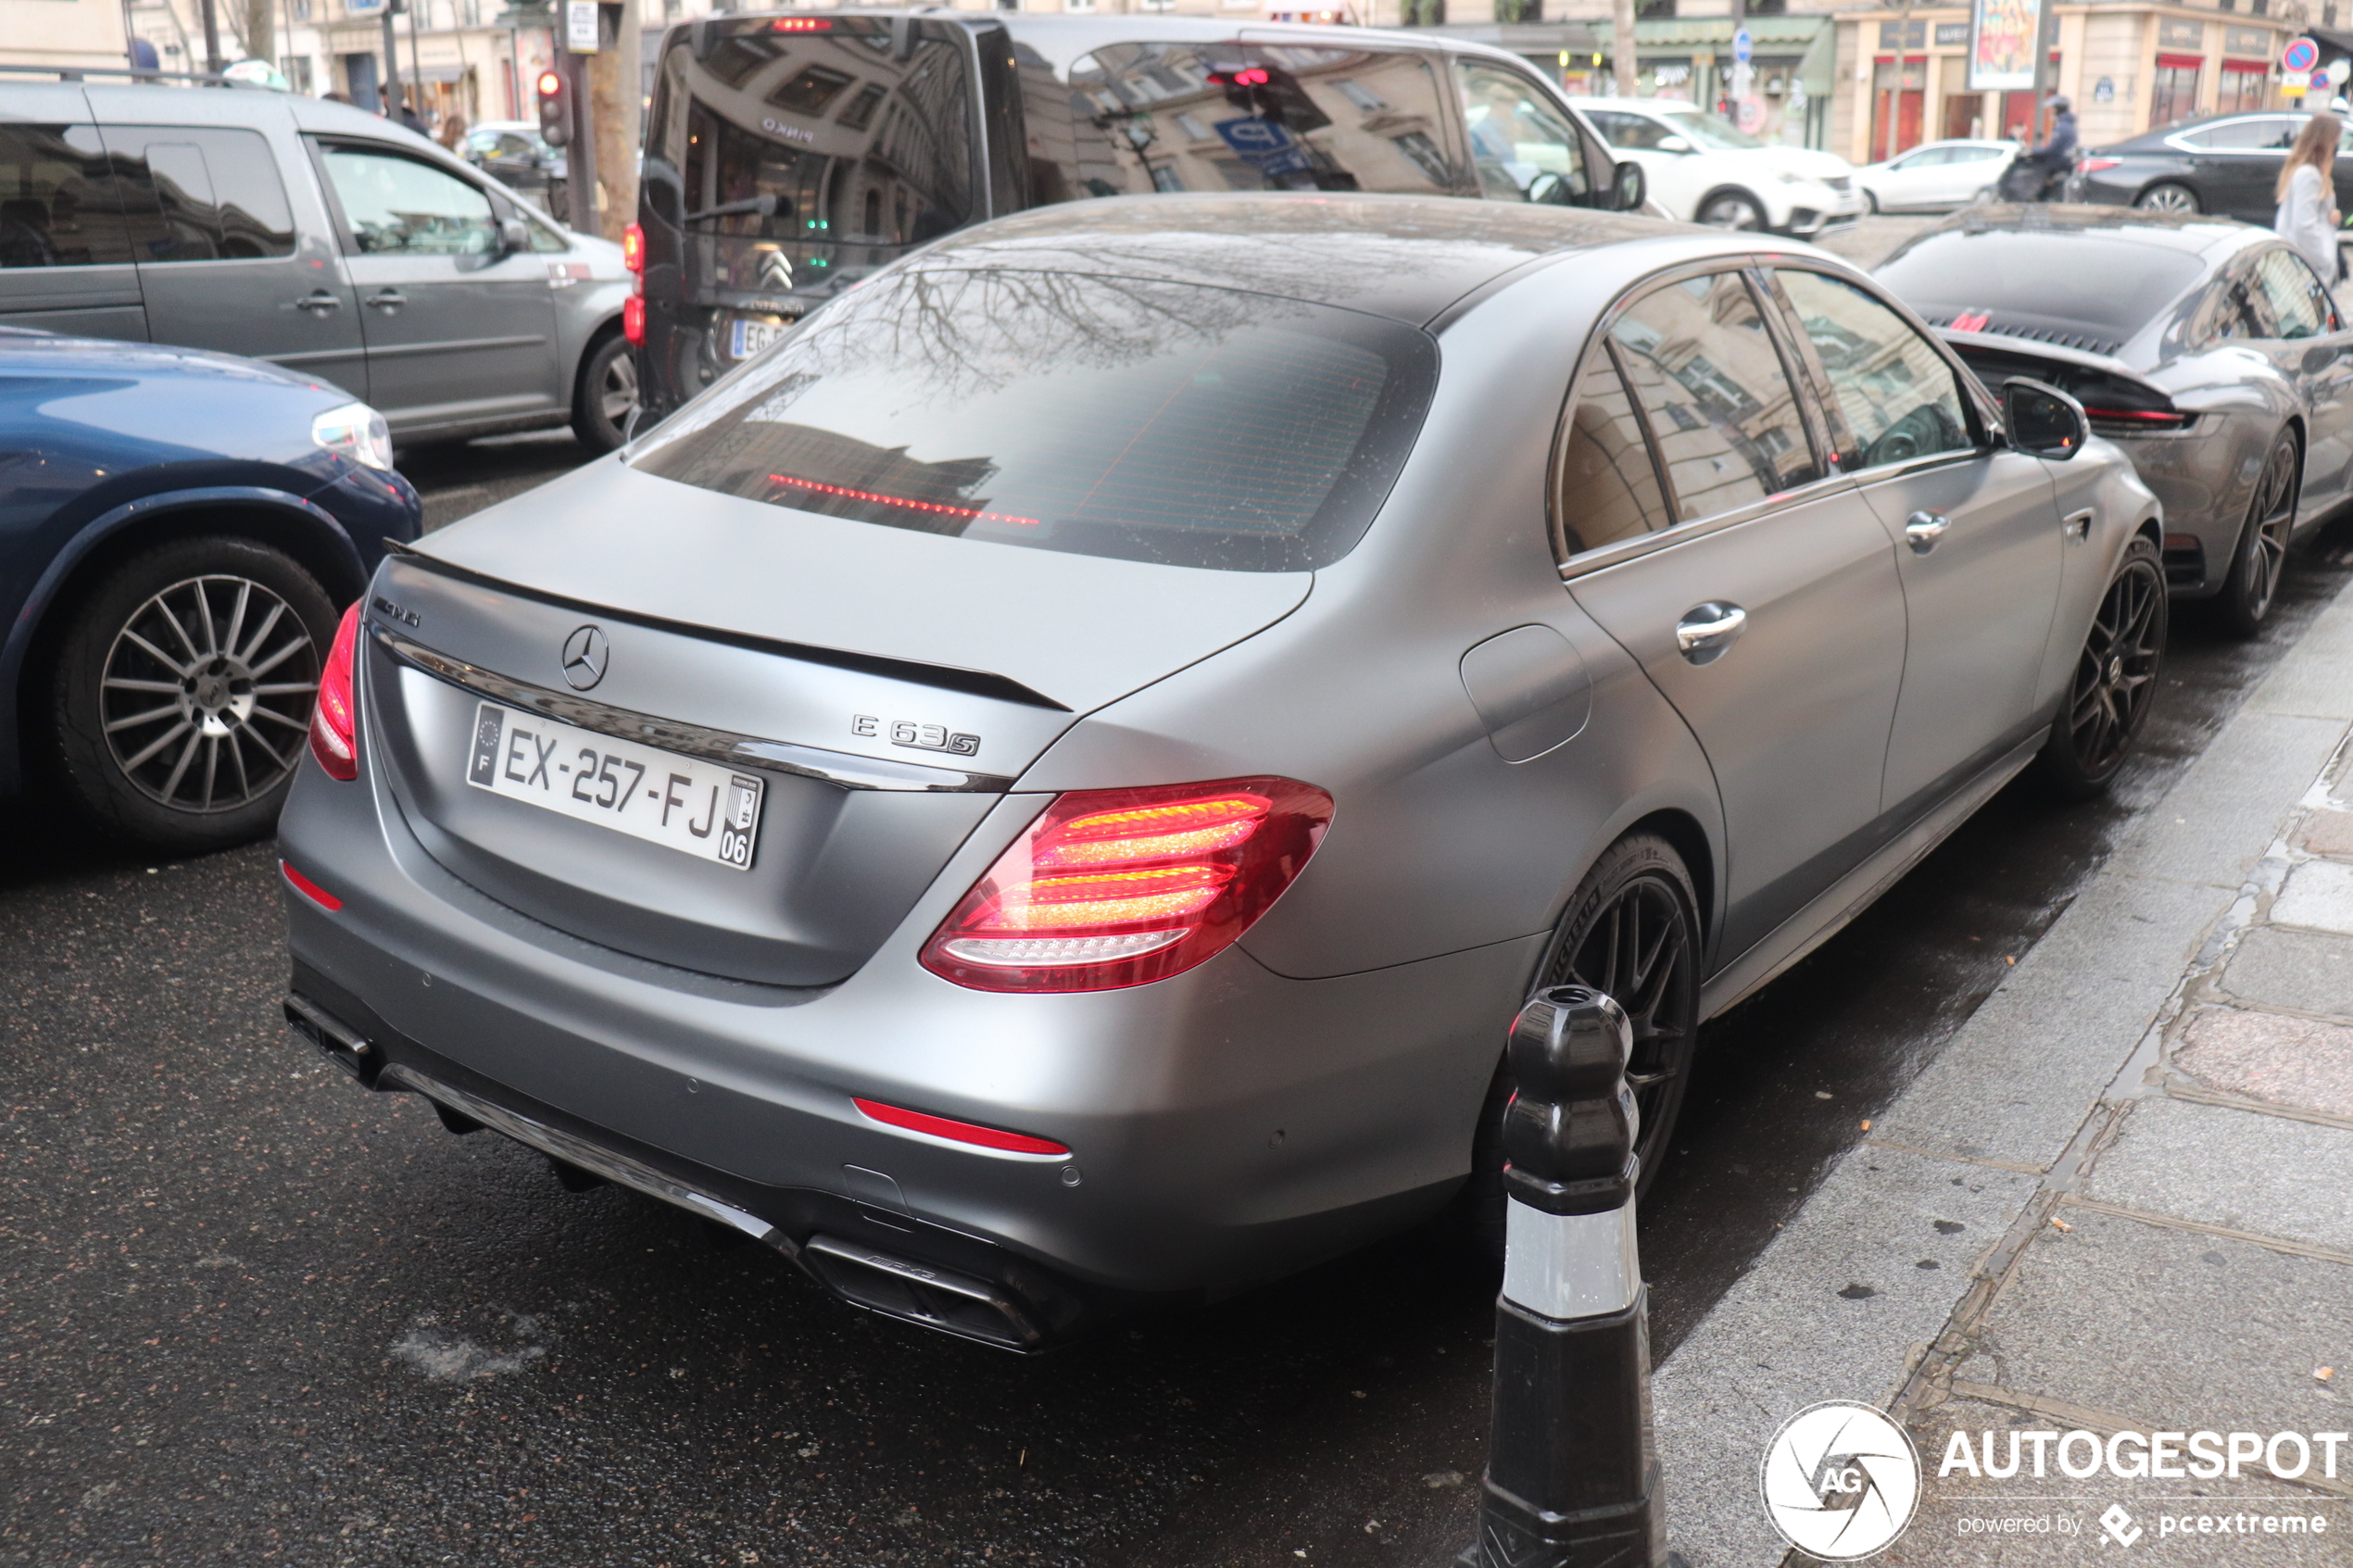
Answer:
(388, 300)
(1922, 530)
(318, 302)
(1707, 630)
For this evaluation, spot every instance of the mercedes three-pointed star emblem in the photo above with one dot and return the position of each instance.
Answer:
(586, 656)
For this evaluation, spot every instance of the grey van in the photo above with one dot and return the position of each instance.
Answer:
(314, 236)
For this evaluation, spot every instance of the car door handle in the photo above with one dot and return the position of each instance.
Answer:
(1922, 530)
(388, 300)
(318, 302)
(1707, 630)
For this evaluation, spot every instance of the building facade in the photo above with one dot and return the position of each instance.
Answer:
(2127, 66)
(64, 33)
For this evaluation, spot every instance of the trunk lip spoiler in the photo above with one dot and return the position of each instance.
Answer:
(972, 683)
(841, 769)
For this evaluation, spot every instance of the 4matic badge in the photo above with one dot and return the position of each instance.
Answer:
(922, 738)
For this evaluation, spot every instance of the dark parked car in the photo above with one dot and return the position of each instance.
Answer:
(789, 157)
(2226, 165)
(178, 530)
(513, 153)
(2209, 351)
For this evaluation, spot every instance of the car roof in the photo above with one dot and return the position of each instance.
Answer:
(2158, 136)
(2189, 234)
(1650, 106)
(1406, 258)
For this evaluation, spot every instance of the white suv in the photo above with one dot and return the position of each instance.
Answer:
(1699, 168)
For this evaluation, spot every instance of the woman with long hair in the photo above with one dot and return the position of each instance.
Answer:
(2307, 192)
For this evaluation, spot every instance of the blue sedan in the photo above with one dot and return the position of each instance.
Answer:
(178, 531)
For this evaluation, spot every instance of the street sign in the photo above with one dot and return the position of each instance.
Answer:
(2338, 69)
(363, 8)
(1749, 115)
(580, 26)
(1254, 138)
(1743, 47)
(2300, 57)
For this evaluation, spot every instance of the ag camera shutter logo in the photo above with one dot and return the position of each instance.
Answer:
(1840, 1481)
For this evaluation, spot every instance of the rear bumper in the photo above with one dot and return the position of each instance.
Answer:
(2204, 478)
(1226, 1126)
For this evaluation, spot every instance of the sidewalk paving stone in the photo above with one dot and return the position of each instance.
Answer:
(2318, 896)
(2218, 820)
(2294, 1062)
(2310, 970)
(2173, 1329)
(2238, 1169)
(2329, 832)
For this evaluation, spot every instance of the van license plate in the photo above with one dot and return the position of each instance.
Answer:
(700, 809)
(753, 336)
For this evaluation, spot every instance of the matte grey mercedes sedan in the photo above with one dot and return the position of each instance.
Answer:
(1045, 789)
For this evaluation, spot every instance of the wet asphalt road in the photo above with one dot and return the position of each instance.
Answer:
(249, 1314)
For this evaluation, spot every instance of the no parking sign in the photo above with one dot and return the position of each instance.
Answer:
(2300, 56)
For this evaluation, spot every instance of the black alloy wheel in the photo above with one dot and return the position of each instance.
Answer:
(2115, 678)
(181, 691)
(2261, 557)
(1631, 931)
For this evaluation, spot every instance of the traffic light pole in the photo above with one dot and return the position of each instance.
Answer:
(580, 166)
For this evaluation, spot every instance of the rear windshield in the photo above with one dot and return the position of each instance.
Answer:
(1100, 416)
(2100, 285)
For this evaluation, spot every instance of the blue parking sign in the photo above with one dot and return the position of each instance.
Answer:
(1254, 138)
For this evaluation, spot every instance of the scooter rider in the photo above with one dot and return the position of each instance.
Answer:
(2056, 156)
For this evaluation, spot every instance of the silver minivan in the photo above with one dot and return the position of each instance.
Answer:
(315, 236)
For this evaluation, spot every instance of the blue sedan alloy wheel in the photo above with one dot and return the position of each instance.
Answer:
(184, 690)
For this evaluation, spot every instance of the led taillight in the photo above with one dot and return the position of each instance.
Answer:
(1123, 886)
(2093, 165)
(633, 248)
(633, 320)
(335, 722)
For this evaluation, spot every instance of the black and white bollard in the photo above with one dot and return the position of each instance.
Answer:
(1572, 1474)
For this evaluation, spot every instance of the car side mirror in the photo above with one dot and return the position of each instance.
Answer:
(1628, 186)
(514, 235)
(2042, 419)
(1673, 145)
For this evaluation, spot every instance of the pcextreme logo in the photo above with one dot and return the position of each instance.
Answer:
(1841, 1480)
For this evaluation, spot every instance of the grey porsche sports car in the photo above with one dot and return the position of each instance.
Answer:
(1047, 786)
(2209, 350)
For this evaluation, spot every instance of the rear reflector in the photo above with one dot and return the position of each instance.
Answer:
(310, 889)
(1119, 887)
(961, 1132)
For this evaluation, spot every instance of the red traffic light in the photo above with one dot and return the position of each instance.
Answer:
(555, 107)
(551, 84)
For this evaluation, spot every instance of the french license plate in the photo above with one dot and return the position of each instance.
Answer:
(753, 336)
(700, 809)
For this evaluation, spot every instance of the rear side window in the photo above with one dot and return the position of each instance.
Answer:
(1715, 394)
(1130, 119)
(2297, 303)
(1609, 488)
(58, 206)
(200, 194)
(1894, 393)
(1107, 417)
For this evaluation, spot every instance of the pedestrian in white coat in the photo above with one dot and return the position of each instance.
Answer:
(2307, 217)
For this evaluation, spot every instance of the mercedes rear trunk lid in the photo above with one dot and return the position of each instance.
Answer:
(648, 715)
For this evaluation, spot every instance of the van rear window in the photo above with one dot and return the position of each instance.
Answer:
(1100, 416)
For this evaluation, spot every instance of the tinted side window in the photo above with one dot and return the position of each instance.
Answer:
(1135, 118)
(1715, 394)
(1894, 391)
(1628, 132)
(397, 205)
(2297, 303)
(58, 206)
(1522, 145)
(200, 194)
(1608, 487)
(2245, 135)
